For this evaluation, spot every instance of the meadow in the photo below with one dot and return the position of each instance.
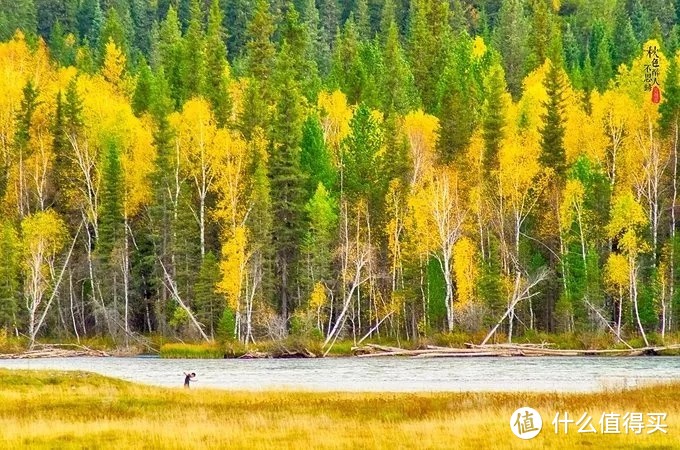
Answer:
(82, 410)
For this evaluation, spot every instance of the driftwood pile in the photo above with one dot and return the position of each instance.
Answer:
(279, 353)
(55, 351)
(473, 350)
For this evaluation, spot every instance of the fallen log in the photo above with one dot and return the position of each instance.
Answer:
(55, 351)
(255, 355)
(473, 350)
(466, 355)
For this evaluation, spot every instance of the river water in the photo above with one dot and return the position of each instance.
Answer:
(554, 374)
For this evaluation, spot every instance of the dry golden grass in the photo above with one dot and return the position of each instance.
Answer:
(80, 410)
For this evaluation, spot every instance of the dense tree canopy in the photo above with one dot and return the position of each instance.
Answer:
(248, 170)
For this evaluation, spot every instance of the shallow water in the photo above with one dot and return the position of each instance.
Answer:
(561, 374)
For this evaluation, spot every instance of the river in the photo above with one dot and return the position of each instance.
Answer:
(553, 374)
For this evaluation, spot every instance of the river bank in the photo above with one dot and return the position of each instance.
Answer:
(45, 409)
(298, 347)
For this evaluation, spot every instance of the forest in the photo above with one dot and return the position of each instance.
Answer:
(252, 170)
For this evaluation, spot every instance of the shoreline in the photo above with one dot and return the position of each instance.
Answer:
(439, 352)
(49, 409)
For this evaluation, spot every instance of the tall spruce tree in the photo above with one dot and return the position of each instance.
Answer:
(348, 72)
(208, 305)
(493, 116)
(286, 178)
(363, 177)
(315, 158)
(625, 44)
(260, 58)
(459, 101)
(552, 133)
(170, 52)
(510, 38)
(603, 64)
(429, 43)
(642, 24)
(398, 93)
(10, 255)
(217, 67)
(111, 213)
(192, 66)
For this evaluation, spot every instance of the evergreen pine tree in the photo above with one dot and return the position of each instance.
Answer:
(458, 102)
(642, 25)
(329, 17)
(141, 15)
(114, 30)
(316, 47)
(493, 113)
(625, 44)
(111, 213)
(141, 99)
(552, 133)
(217, 67)
(363, 176)
(259, 62)
(286, 178)
(315, 158)
(510, 38)
(572, 52)
(90, 19)
(429, 43)
(192, 66)
(237, 16)
(362, 19)
(10, 255)
(208, 305)
(603, 64)
(670, 107)
(18, 15)
(22, 149)
(170, 52)
(348, 72)
(397, 89)
(295, 33)
(64, 171)
(542, 30)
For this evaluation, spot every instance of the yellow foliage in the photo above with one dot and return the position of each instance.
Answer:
(114, 64)
(422, 132)
(232, 266)
(138, 164)
(478, 47)
(419, 221)
(466, 270)
(519, 168)
(435, 212)
(108, 114)
(614, 115)
(237, 89)
(627, 219)
(572, 200)
(335, 117)
(616, 272)
(16, 64)
(201, 144)
(43, 236)
(318, 297)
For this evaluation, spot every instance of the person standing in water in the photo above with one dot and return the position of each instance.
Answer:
(188, 377)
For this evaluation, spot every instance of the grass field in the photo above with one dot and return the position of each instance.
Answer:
(81, 410)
